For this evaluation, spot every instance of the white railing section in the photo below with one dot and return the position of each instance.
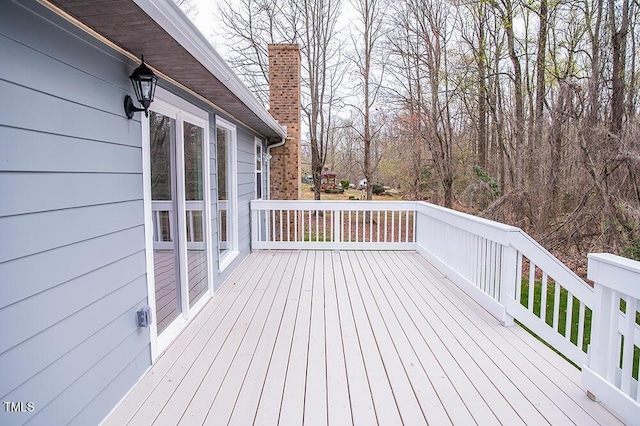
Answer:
(332, 225)
(500, 266)
(510, 275)
(551, 300)
(163, 224)
(612, 372)
(471, 251)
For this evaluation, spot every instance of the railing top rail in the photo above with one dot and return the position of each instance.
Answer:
(484, 228)
(560, 272)
(333, 205)
(615, 272)
(467, 217)
(618, 261)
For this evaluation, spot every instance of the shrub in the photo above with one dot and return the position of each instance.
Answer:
(484, 177)
(633, 250)
(377, 189)
(337, 190)
(345, 184)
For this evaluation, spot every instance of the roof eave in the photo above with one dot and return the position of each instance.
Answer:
(168, 15)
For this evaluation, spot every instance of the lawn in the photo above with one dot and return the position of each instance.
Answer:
(562, 317)
(307, 194)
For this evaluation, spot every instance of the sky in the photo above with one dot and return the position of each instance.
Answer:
(207, 23)
(206, 14)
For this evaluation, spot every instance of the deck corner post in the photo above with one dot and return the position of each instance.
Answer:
(602, 346)
(508, 282)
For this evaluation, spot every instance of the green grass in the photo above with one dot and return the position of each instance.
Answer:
(562, 317)
(562, 314)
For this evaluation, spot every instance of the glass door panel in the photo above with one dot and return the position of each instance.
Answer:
(165, 248)
(223, 190)
(194, 199)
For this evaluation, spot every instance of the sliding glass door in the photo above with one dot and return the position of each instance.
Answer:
(194, 162)
(178, 154)
(163, 195)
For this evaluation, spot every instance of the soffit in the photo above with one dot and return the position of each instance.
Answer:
(125, 24)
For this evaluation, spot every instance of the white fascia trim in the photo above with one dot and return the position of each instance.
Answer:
(169, 16)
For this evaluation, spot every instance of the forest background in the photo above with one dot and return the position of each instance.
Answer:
(520, 111)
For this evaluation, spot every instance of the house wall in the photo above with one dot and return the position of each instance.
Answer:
(72, 246)
(72, 268)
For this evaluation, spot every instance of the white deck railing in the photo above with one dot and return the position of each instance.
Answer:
(612, 372)
(500, 266)
(332, 225)
(504, 269)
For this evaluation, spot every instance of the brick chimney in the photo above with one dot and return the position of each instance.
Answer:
(284, 106)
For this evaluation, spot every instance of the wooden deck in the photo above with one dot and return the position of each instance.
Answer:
(322, 337)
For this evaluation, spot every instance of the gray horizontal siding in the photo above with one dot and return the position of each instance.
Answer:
(109, 397)
(86, 289)
(106, 318)
(246, 186)
(33, 151)
(20, 279)
(81, 189)
(37, 232)
(73, 270)
(64, 117)
(59, 337)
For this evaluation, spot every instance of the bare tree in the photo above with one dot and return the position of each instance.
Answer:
(619, 31)
(506, 11)
(309, 23)
(322, 58)
(366, 37)
(541, 95)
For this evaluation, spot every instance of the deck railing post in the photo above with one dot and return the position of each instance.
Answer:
(255, 217)
(336, 215)
(600, 350)
(606, 378)
(508, 275)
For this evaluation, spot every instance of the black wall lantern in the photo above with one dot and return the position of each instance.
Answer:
(144, 84)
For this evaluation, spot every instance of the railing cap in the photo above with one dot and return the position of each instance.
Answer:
(616, 272)
(619, 261)
(469, 217)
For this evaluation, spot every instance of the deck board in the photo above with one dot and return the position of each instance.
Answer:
(556, 378)
(352, 337)
(384, 400)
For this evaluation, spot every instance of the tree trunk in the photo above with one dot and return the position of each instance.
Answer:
(482, 92)
(518, 117)
(619, 53)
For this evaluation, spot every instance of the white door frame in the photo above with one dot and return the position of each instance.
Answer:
(231, 203)
(177, 108)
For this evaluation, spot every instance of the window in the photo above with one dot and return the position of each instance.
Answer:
(259, 181)
(227, 191)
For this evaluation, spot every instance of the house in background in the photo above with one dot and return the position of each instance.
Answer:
(101, 215)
